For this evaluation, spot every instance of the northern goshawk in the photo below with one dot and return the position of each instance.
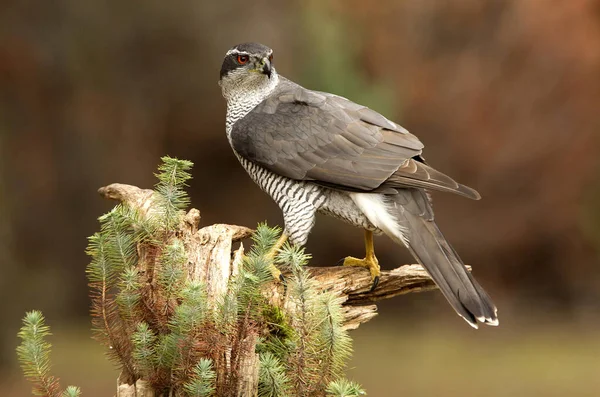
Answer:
(315, 152)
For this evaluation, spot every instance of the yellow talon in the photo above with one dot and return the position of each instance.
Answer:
(271, 256)
(369, 261)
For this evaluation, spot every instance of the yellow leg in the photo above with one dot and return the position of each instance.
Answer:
(273, 252)
(369, 261)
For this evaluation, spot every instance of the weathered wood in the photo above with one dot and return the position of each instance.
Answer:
(212, 261)
(140, 389)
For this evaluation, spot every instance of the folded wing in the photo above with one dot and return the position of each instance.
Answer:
(309, 135)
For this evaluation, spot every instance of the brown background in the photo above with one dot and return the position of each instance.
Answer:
(504, 94)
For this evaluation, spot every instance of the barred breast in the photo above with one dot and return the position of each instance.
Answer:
(298, 200)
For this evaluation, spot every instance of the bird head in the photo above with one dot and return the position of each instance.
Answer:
(246, 67)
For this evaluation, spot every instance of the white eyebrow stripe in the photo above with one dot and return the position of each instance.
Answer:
(237, 52)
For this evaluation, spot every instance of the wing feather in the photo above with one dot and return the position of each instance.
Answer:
(310, 135)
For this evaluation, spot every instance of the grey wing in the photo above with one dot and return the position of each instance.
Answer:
(309, 135)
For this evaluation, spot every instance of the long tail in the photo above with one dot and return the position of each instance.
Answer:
(408, 219)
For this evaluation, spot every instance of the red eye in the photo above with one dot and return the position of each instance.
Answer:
(271, 58)
(242, 59)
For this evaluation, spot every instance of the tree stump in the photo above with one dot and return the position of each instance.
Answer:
(213, 261)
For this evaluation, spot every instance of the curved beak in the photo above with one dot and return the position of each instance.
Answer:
(266, 67)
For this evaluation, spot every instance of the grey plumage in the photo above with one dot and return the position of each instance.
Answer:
(430, 248)
(318, 152)
(307, 135)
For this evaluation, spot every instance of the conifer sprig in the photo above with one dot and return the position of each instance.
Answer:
(121, 242)
(191, 312)
(179, 348)
(116, 288)
(344, 388)
(71, 391)
(263, 238)
(172, 272)
(332, 341)
(129, 295)
(144, 352)
(273, 381)
(304, 359)
(320, 347)
(202, 381)
(173, 175)
(255, 273)
(34, 357)
(107, 325)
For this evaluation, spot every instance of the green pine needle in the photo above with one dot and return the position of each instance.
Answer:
(227, 309)
(34, 355)
(100, 269)
(293, 256)
(173, 260)
(71, 391)
(166, 350)
(121, 242)
(202, 382)
(174, 172)
(344, 388)
(272, 379)
(129, 293)
(144, 353)
(333, 341)
(172, 199)
(192, 310)
(264, 237)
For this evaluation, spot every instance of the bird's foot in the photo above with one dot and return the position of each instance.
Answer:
(271, 257)
(370, 262)
(279, 279)
(276, 273)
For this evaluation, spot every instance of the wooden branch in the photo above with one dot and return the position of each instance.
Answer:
(211, 261)
(355, 284)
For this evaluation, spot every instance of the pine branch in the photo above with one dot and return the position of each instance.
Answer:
(71, 391)
(120, 241)
(172, 272)
(185, 325)
(202, 382)
(166, 350)
(333, 343)
(144, 351)
(129, 295)
(114, 257)
(172, 178)
(108, 327)
(272, 378)
(34, 356)
(344, 388)
(303, 361)
(191, 312)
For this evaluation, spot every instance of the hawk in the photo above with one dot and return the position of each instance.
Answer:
(315, 152)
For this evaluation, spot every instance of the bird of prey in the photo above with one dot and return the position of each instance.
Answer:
(315, 152)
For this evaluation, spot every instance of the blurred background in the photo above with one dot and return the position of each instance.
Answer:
(504, 94)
